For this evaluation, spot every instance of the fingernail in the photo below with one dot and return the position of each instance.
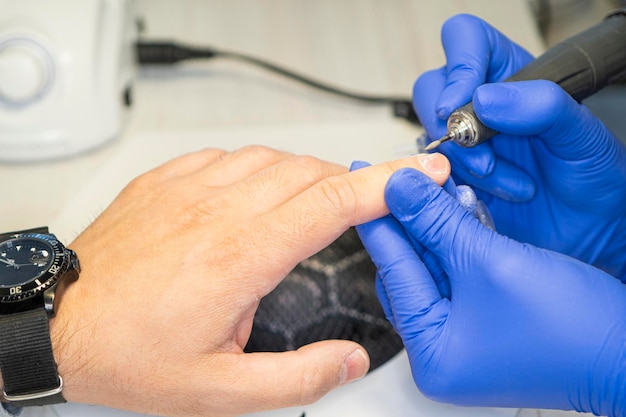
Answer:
(433, 163)
(355, 366)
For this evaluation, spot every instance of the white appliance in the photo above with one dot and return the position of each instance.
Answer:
(66, 71)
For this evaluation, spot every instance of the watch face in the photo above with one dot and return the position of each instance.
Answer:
(28, 264)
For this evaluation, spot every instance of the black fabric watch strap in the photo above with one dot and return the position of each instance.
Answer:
(26, 359)
(5, 236)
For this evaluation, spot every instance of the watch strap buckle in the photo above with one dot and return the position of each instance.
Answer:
(24, 399)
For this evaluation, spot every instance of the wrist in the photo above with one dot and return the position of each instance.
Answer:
(65, 340)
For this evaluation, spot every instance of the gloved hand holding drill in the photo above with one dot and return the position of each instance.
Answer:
(555, 177)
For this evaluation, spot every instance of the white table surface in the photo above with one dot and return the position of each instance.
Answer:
(363, 45)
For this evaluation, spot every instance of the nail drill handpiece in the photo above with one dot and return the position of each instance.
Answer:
(581, 65)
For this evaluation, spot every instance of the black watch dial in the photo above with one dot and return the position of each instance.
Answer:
(26, 263)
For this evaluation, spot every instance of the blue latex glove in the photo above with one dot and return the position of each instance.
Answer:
(522, 327)
(556, 177)
(466, 197)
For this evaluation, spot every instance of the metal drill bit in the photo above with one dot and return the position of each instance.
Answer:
(434, 144)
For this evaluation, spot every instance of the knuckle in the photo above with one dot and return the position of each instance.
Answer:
(259, 151)
(389, 167)
(305, 169)
(206, 154)
(307, 161)
(313, 386)
(140, 183)
(313, 166)
(338, 195)
(213, 154)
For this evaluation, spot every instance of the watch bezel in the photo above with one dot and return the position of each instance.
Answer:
(46, 279)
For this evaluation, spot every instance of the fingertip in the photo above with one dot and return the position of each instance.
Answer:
(452, 24)
(450, 186)
(479, 161)
(358, 165)
(407, 176)
(328, 364)
(355, 366)
(407, 191)
(383, 298)
(456, 93)
(435, 165)
(466, 198)
(520, 107)
(426, 100)
(508, 182)
(443, 111)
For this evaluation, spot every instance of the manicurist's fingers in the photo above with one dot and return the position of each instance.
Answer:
(475, 53)
(437, 221)
(409, 288)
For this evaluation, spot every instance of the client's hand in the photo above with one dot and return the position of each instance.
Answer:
(175, 267)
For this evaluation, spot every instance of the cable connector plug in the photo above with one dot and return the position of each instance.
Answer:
(168, 53)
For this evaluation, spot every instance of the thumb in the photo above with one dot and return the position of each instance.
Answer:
(437, 221)
(303, 376)
(542, 108)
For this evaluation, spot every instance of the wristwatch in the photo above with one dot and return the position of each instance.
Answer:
(32, 264)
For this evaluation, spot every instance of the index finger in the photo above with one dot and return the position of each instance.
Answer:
(314, 218)
(358, 197)
(476, 53)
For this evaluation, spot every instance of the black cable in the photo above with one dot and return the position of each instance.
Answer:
(168, 53)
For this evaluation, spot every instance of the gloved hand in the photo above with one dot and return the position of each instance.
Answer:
(555, 177)
(522, 327)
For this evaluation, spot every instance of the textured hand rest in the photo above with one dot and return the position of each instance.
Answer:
(331, 295)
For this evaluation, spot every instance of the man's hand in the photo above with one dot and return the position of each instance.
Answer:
(174, 269)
